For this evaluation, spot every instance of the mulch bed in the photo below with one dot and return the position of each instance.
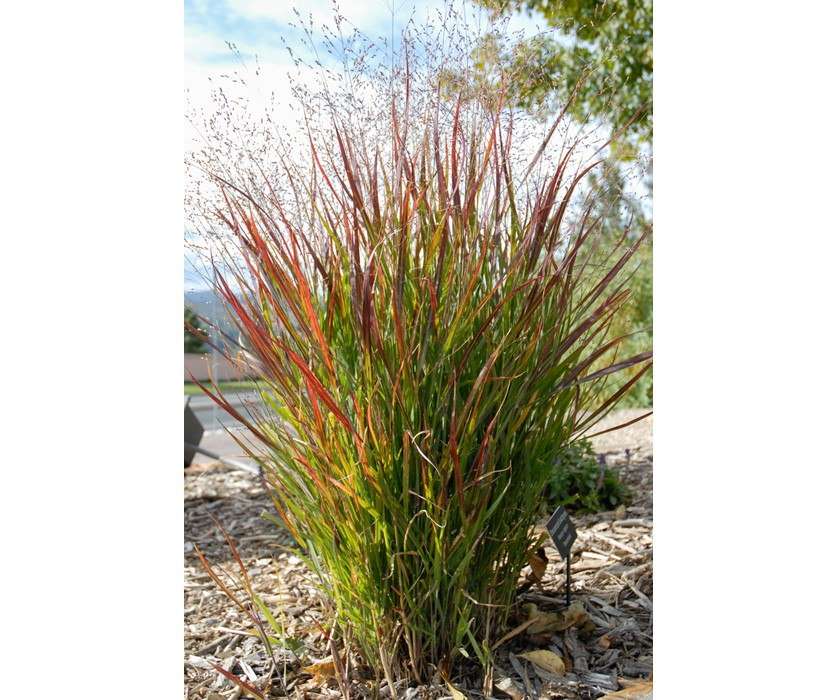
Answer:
(604, 640)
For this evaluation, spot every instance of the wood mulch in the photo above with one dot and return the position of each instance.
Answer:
(604, 640)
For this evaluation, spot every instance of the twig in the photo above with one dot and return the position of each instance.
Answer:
(614, 542)
(213, 645)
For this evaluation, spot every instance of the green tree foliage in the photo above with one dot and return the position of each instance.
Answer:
(190, 342)
(605, 45)
(597, 63)
(619, 212)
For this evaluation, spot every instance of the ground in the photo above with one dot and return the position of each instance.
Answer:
(607, 647)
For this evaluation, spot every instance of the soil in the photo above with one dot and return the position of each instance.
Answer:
(604, 640)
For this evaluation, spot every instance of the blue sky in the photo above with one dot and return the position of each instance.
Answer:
(257, 26)
(257, 29)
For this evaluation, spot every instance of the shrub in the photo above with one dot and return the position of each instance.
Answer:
(583, 480)
(416, 299)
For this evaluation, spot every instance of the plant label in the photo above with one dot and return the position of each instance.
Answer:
(561, 531)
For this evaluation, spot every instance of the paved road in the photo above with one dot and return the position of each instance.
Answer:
(214, 418)
(218, 426)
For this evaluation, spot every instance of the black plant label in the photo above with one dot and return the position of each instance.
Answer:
(561, 531)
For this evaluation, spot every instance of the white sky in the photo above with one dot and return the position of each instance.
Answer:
(257, 29)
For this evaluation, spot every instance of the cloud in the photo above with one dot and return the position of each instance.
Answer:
(370, 16)
(258, 27)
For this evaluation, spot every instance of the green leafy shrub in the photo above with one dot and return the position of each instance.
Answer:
(416, 299)
(582, 481)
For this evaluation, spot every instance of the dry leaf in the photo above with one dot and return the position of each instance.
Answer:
(454, 692)
(634, 692)
(574, 616)
(324, 669)
(604, 642)
(544, 622)
(550, 662)
(538, 564)
(577, 616)
(532, 610)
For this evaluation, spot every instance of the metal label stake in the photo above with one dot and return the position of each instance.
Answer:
(567, 585)
(563, 533)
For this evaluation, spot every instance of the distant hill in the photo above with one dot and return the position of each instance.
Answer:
(200, 298)
(207, 304)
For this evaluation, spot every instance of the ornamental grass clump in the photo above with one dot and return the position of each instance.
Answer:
(417, 291)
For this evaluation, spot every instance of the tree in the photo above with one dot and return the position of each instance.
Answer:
(601, 52)
(190, 342)
(606, 45)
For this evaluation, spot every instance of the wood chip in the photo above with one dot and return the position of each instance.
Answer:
(612, 573)
(508, 687)
(614, 542)
(641, 691)
(601, 680)
(591, 565)
(212, 646)
(198, 662)
(248, 671)
(633, 522)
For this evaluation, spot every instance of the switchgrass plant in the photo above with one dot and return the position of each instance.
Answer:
(417, 291)
(238, 588)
